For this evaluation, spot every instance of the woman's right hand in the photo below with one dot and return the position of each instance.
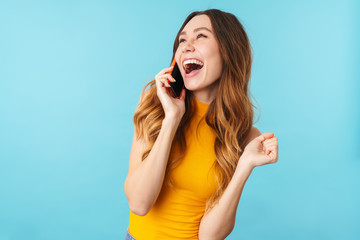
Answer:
(174, 108)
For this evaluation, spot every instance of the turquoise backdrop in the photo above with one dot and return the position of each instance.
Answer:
(71, 73)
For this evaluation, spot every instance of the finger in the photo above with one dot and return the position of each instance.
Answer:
(158, 82)
(159, 79)
(165, 70)
(273, 157)
(264, 136)
(161, 85)
(273, 143)
(162, 79)
(270, 144)
(274, 139)
(166, 83)
(168, 76)
(160, 76)
(269, 150)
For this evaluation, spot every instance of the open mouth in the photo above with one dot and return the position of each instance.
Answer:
(192, 65)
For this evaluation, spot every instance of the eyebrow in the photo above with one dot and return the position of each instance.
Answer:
(196, 30)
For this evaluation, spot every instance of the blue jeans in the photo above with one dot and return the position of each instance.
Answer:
(128, 236)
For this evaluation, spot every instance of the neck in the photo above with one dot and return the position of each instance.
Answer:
(206, 96)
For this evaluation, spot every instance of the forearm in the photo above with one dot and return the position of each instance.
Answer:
(220, 220)
(143, 185)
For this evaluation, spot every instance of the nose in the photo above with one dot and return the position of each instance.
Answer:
(188, 47)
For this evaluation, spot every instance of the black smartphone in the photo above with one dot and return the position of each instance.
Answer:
(177, 86)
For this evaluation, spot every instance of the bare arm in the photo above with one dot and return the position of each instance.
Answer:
(145, 178)
(220, 220)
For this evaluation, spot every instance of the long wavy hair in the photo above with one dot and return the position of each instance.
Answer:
(230, 114)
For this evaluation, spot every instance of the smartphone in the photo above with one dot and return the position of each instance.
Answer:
(177, 86)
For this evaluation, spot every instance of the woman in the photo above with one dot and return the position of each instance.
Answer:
(191, 156)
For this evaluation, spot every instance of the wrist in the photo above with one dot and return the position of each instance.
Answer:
(173, 118)
(243, 171)
(171, 121)
(245, 164)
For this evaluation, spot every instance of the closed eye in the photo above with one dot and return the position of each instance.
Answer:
(181, 40)
(201, 35)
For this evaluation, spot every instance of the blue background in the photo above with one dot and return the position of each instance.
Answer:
(71, 73)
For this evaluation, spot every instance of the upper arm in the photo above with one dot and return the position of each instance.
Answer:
(138, 145)
(137, 149)
(254, 132)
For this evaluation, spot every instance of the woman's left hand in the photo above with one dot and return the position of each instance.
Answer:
(260, 151)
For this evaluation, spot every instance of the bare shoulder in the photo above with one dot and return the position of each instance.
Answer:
(254, 132)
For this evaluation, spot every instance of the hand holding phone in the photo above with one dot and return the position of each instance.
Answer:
(177, 86)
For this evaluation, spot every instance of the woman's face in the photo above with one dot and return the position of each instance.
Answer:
(198, 57)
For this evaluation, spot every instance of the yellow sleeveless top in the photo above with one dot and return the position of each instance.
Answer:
(178, 210)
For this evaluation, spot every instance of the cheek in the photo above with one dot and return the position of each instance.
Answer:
(177, 56)
(220, 64)
(219, 60)
(217, 63)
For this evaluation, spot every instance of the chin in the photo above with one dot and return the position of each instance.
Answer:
(193, 83)
(191, 87)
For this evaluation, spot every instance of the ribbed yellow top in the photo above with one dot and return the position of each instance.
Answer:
(179, 209)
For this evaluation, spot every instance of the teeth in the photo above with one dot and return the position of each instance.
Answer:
(193, 61)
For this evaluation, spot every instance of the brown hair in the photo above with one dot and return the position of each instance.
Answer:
(230, 114)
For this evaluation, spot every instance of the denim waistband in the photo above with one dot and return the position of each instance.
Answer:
(128, 236)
